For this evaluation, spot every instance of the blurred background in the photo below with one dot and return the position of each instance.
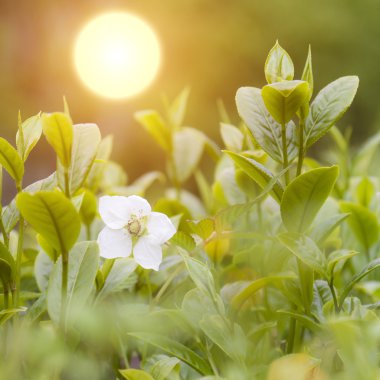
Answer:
(212, 46)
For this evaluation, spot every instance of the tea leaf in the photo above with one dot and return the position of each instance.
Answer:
(329, 106)
(278, 65)
(11, 161)
(135, 374)
(153, 123)
(320, 232)
(305, 195)
(83, 265)
(232, 137)
(28, 135)
(176, 349)
(259, 173)
(363, 223)
(163, 368)
(52, 215)
(265, 130)
(178, 108)
(283, 99)
(58, 130)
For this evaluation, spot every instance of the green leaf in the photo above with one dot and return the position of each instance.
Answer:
(307, 74)
(259, 173)
(320, 232)
(52, 215)
(252, 287)
(7, 314)
(278, 65)
(364, 157)
(58, 130)
(203, 228)
(188, 144)
(177, 109)
(362, 222)
(304, 320)
(11, 213)
(183, 240)
(329, 106)
(11, 161)
(84, 149)
(135, 374)
(83, 266)
(265, 130)
(176, 349)
(305, 195)
(164, 367)
(5, 274)
(233, 343)
(306, 250)
(338, 256)
(8, 258)
(28, 135)
(43, 266)
(155, 126)
(232, 137)
(283, 99)
(121, 277)
(365, 192)
(89, 207)
(374, 264)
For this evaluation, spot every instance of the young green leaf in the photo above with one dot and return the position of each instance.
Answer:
(58, 130)
(364, 272)
(329, 106)
(303, 319)
(320, 232)
(278, 65)
(305, 250)
(307, 74)
(83, 265)
(162, 369)
(265, 130)
(11, 161)
(135, 374)
(365, 192)
(283, 99)
(52, 215)
(86, 140)
(188, 144)
(336, 257)
(259, 173)
(174, 348)
(28, 135)
(155, 126)
(232, 137)
(362, 222)
(177, 109)
(305, 195)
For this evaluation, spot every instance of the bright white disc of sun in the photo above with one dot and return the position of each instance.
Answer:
(117, 55)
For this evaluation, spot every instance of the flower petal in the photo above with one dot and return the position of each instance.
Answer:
(114, 210)
(114, 243)
(160, 227)
(147, 253)
(138, 206)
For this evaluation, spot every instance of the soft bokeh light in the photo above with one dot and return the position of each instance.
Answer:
(117, 55)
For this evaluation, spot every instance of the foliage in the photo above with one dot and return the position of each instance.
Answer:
(272, 273)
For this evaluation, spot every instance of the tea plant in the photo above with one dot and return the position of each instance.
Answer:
(270, 273)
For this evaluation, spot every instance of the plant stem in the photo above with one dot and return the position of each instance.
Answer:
(301, 150)
(291, 336)
(67, 189)
(18, 260)
(335, 299)
(65, 270)
(285, 152)
(4, 233)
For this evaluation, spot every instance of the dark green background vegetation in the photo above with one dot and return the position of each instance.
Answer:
(213, 46)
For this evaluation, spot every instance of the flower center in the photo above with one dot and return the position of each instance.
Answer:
(135, 226)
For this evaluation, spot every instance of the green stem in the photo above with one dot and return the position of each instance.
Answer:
(291, 336)
(67, 188)
(18, 260)
(6, 296)
(65, 271)
(4, 233)
(285, 152)
(301, 150)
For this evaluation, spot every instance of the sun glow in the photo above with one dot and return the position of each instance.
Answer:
(117, 55)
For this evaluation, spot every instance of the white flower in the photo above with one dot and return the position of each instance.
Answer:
(131, 225)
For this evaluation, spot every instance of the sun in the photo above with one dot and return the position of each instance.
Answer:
(117, 55)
